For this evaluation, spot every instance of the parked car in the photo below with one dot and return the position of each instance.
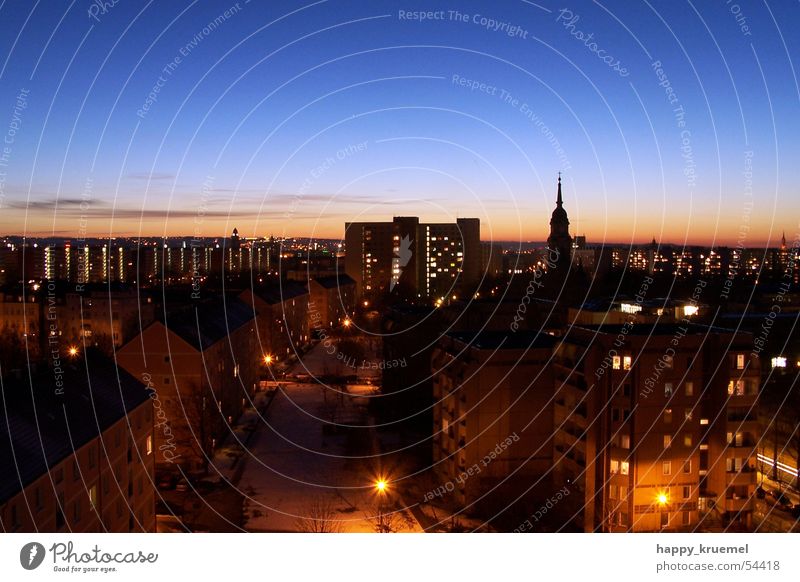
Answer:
(781, 499)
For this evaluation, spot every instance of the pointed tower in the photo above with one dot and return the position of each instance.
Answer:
(560, 241)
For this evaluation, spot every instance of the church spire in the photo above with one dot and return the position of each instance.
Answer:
(559, 200)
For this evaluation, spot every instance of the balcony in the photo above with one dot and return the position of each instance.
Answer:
(745, 477)
(739, 504)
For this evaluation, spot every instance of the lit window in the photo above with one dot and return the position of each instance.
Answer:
(736, 388)
(689, 386)
(666, 467)
(624, 467)
(149, 445)
(704, 421)
(667, 389)
(689, 310)
(667, 415)
(667, 441)
(779, 362)
(616, 362)
(625, 441)
(614, 467)
(740, 361)
(626, 362)
(687, 440)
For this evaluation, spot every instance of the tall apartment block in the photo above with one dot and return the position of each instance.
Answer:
(493, 413)
(656, 426)
(412, 258)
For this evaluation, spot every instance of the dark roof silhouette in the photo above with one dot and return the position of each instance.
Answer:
(274, 293)
(39, 428)
(335, 281)
(204, 324)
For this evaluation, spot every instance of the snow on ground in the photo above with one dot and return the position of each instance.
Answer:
(296, 470)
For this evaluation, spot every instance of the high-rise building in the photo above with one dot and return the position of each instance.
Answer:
(656, 426)
(411, 258)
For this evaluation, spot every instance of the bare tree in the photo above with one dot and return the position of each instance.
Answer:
(321, 517)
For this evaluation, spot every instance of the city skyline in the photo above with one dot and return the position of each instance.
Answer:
(664, 141)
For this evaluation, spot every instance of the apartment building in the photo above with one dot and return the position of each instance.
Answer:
(77, 451)
(656, 426)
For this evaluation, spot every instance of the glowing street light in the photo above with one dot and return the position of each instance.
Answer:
(72, 351)
(268, 359)
(347, 322)
(662, 498)
(380, 486)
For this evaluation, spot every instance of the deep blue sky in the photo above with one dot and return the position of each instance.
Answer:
(255, 108)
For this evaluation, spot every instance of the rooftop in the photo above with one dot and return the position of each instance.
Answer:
(506, 340)
(39, 428)
(206, 323)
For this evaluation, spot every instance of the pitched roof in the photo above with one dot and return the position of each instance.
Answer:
(335, 281)
(504, 340)
(39, 428)
(204, 324)
(275, 293)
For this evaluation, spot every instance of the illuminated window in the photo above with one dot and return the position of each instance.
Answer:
(740, 361)
(779, 362)
(616, 362)
(704, 421)
(689, 386)
(666, 467)
(630, 308)
(624, 467)
(667, 389)
(736, 388)
(689, 310)
(625, 441)
(687, 440)
(667, 415)
(614, 467)
(626, 362)
(149, 445)
(667, 441)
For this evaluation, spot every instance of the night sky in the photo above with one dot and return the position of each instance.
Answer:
(673, 120)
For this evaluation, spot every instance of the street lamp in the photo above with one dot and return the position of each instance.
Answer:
(662, 499)
(381, 488)
(72, 351)
(347, 322)
(268, 359)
